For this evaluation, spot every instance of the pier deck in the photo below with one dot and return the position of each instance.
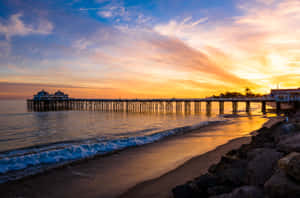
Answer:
(148, 105)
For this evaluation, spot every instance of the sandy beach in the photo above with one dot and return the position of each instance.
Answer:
(162, 186)
(147, 171)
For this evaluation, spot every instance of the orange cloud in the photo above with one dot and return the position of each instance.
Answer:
(259, 44)
(185, 58)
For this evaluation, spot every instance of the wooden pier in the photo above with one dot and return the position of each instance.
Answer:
(147, 105)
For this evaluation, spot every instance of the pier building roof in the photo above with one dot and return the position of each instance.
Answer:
(42, 93)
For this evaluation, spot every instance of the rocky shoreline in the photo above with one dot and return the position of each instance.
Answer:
(267, 167)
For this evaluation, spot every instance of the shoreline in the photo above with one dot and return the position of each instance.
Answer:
(267, 166)
(198, 165)
(162, 186)
(88, 176)
(165, 135)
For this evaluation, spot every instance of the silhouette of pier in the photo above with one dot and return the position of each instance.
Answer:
(148, 105)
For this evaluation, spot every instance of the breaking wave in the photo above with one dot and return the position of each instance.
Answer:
(19, 163)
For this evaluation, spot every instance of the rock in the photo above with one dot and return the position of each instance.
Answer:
(202, 186)
(217, 190)
(262, 138)
(241, 152)
(230, 171)
(261, 165)
(243, 192)
(293, 168)
(290, 164)
(290, 144)
(188, 190)
(279, 185)
(288, 128)
(206, 181)
(283, 162)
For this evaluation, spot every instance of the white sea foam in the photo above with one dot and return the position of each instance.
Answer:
(31, 160)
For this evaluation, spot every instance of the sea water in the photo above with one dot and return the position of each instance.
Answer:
(33, 141)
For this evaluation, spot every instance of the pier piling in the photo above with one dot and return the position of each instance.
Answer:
(234, 106)
(221, 107)
(248, 107)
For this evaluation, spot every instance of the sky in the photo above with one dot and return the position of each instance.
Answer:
(148, 48)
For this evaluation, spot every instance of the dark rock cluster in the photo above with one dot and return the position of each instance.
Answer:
(268, 167)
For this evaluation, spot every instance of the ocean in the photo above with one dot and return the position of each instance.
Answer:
(34, 141)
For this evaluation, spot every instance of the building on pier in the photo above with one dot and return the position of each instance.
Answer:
(283, 95)
(60, 95)
(43, 95)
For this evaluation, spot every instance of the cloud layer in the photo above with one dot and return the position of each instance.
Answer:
(116, 49)
(14, 26)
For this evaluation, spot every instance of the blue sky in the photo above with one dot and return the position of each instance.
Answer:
(123, 48)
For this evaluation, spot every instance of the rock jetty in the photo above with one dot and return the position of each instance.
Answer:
(268, 167)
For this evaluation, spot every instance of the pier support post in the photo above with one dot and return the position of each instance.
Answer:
(296, 105)
(156, 107)
(208, 107)
(234, 106)
(197, 106)
(221, 107)
(178, 106)
(187, 107)
(263, 107)
(278, 107)
(161, 107)
(169, 107)
(248, 107)
(126, 106)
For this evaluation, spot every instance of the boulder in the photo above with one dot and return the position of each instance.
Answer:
(240, 152)
(290, 144)
(279, 185)
(188, 190)
(293, 168)
(243, 192)
(261, 165)
(230, 171)
(206, 181)
(263, 138)
(202, 186)
(290, 164)
(217, 190)
(286, 130)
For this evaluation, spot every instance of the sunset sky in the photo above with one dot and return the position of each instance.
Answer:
(154, 48)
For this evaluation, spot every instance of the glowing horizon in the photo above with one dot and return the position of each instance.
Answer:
(154, 49)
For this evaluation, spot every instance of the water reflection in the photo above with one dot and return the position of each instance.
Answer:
(19, 128)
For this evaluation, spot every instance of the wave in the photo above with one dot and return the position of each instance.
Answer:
(19, 163)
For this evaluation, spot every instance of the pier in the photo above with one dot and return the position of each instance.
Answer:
(149, 105)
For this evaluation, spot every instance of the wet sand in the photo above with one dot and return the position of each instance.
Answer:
(113, 175)
(162, 186)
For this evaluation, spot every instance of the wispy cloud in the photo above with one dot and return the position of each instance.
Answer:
(14, 26)
(120, 13)
(258, 43)
(175, 28)
(114, 10)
